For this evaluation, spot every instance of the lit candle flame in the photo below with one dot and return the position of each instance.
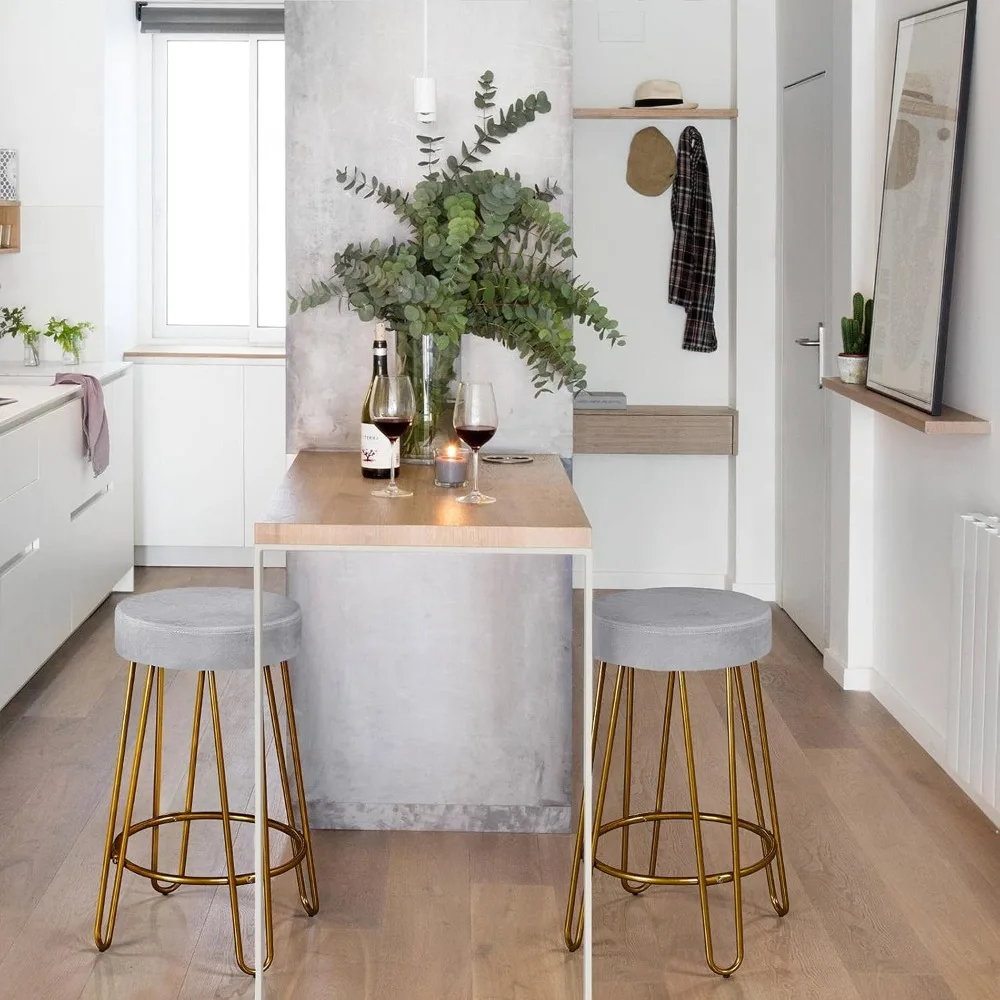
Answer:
(451, 451)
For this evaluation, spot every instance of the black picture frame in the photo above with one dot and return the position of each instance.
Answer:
(879, 380)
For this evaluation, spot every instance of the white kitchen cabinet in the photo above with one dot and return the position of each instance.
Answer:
(34, 621)
(189, 467)
(211, 452)
(101, 525)
(66, 538)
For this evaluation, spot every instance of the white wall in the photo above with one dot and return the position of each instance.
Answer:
(754, 489)
(920, 484)
(121, 177)
(65, 73)
(658, 520)
(904, 490)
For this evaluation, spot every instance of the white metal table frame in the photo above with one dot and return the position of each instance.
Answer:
(587, 556)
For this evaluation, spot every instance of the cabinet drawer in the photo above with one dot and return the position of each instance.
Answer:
(82, 481)
(18, 460)
(33, 622)
(100, 547)
(21, 518)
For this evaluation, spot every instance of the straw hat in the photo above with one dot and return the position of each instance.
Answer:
(652, 163)
(662, 94)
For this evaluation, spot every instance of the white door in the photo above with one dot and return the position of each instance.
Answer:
(806, 206)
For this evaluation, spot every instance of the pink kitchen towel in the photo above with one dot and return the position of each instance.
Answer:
(95, 418)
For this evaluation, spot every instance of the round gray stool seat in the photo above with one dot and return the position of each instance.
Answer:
(681, 628)
(204, 628)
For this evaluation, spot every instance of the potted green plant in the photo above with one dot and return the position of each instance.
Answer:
(857, 336)
(12, 324)
(484, 254)
(69, 336)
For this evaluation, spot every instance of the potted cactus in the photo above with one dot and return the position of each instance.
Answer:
(857, 335)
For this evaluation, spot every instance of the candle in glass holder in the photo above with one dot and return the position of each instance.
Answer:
(451, 466)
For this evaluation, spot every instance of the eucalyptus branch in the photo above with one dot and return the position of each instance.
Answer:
(485, 253)
(432, 156)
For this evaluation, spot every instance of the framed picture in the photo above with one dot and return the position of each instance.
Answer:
(923, 182)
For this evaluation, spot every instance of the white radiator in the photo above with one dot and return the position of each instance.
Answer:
(973, 745)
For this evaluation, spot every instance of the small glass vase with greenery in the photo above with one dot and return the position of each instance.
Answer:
(12, 324)
(483, 254)
(69, 336)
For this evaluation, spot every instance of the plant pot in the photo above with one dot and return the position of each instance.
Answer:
(31, 357)
(853, 368)
(431, 369)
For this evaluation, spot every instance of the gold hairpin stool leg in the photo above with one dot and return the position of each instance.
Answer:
(779, 902)
(166, 882)
(227, 834)
(771, 859)
(573, 931)
(102, 934)
(696, 819)
(308, 897)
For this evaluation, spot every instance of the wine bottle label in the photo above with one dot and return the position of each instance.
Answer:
(376, 451)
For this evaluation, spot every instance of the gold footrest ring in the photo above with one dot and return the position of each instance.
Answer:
(244, 878)
(770, 849)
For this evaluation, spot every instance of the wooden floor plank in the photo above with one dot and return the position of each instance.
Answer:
(424, 947)
(515, 954)
(917, 872)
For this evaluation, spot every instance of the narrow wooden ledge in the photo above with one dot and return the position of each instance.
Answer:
(651, 114)
(951, 421)
(656, 430)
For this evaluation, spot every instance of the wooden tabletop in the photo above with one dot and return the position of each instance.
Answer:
(324, 500)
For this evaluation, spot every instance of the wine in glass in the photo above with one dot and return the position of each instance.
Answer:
(392, 407)
(475, 424)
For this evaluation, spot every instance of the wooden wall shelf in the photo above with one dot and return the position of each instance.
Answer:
(10, 215)
(951, 421)
(653, 113)
(656, 430)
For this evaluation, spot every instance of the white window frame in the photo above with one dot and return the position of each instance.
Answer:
(153, 228)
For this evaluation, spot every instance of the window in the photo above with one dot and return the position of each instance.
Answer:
(218, 227)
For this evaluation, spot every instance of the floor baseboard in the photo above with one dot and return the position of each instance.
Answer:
(618, 580)
(908, 717)
(849, 679)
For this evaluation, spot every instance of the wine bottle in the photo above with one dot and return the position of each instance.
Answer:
(376, 451)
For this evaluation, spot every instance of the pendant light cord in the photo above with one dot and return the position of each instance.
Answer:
(426, 33)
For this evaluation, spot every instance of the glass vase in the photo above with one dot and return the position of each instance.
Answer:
(71, 357)
(431, 367)
(31, 357)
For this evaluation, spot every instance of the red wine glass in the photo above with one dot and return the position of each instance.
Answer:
(393, 407)
(475, 424)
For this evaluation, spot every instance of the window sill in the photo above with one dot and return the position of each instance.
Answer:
(153, 351)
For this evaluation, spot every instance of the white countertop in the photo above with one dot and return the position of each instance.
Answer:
(35, 394)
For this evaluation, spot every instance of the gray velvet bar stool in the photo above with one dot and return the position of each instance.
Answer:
(204, 630)
(678, 631)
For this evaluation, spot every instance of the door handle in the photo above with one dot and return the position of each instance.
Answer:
(818, 342)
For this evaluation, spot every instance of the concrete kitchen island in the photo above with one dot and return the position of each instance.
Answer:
(434, 688)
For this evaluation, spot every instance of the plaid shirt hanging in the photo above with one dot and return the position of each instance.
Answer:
(692, 267)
